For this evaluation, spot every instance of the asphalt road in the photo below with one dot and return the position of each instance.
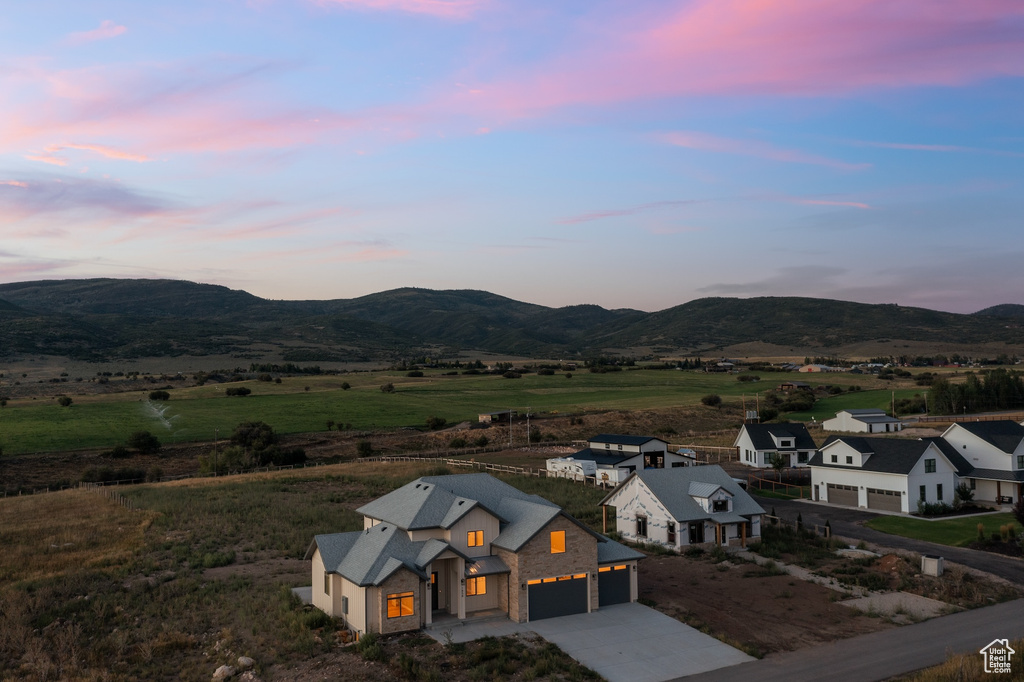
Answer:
(847, 523)
(881, 655)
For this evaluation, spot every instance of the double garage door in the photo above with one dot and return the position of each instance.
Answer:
(885, 500)
(842, 494)
(566, 595)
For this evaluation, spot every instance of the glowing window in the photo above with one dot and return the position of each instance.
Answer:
(557, 541)
(579, 575)
(400, 604)
(476, 586)
(604, 569)
(621, 568)
(475, 538)
(533, 582)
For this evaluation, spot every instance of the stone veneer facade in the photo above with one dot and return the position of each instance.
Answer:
(402, 581)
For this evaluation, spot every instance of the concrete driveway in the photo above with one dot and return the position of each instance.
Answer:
(622, 643)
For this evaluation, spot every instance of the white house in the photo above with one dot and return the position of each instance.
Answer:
(862, 421)
(994, 451)
(684, 506)
(889, 474)
(758, 444)
(615, 456)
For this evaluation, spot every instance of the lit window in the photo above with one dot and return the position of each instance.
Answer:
(929, 466)
(475, 538)
(621, 568)
(557, 541)
(476, 586)
(400, 604)
(579, 576)
(604, 569)
(533, 582)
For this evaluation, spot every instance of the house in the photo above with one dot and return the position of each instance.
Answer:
(491, 417)
(862, 421)
(888, 474)
(815, 368)
(759, 444)
(680, 507)
(787, 386)
(616, 456)
(994, 451)
(465, 544)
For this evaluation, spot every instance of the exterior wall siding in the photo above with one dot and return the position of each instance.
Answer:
(477, 519)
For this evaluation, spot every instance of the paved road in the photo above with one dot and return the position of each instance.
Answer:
(847, 523)
(881, 655)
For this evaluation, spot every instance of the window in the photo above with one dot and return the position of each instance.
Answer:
(327, 583)
(720, 505)
(1020, 461)
(400, 604)
(835, 458)
(620, 447)
(671, 533)
(475, 538)
(938, 492)
(924, 497)
(801, 458)
(849, 459)
(929, 466)
(973, 482)
(476, 586)
(641, 526)
(557, 541)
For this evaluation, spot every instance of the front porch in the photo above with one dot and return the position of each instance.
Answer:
(463, 589)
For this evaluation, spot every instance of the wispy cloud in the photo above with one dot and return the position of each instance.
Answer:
(447, 9)
(86, 196)
(14, 183)
(108, 152)
(828, 202)
(947, 148)
(756, 148)
(106, 30)
(47, 158)
(618, 212)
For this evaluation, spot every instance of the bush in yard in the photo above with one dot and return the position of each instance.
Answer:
(154, 474)
(238, 391)
(414, 374)
(768, 413)
(481, 442)
(159, 395)
(118, 452)
(345, 385)
(711, 400)
(64, 401)
(456, 443)
(1018, 510)
(145, 442)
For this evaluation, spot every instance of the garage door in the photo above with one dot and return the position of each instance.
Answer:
(613, 585)
(561, 596)
(842, 494)
(885, 500)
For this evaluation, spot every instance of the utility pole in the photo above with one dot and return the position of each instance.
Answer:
(527, 428)
(216, 446)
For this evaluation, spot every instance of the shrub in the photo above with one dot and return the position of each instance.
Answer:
(64, 401)
(545, 372)
(568, 375)
(159, 395)
(981, 532)
(388, 388)
(238, 391)
(415, 373)
(768, 413)
(145, 442)
(154, 474)
(117, 452)
(264, 377)
(481, 442)
(1018, 510)
(254, 435)
(711, 400)
(748, 378)
(456, 443)
(345, 385)
(436, 423)
(364, 448)
(511, 374)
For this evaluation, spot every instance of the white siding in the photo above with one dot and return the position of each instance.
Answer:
(979, 453)
(636, 499)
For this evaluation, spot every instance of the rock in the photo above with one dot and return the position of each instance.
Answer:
(223, 673)
(244, 663)
(248, 676)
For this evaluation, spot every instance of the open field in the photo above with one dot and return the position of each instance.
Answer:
(955, 532)
(826, 408)
(305, 404)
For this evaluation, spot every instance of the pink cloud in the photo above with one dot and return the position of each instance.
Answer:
(107, 29)
(108, 152)
(770, 47)
(615, 213)
(756, 148)
(14, 183)
(446, 9)
(47, 158)
(825, 202)
(937, 148)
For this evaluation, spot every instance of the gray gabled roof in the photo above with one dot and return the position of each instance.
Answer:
(1004, 433)
(613, 552)
(761, 436)
(861, 411)
(962, 466)
(371, 556)
(671, 487)
(875, 419)
(998, 475)
(617, 439)
(887, 455)
(599, 456)
(418, 505)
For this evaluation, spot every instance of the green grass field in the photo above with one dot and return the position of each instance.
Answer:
(956, 532)
(305, 404)
(826, 408)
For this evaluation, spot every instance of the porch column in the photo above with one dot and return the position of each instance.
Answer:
(604, 518)
(428, 597)
(460, 586)
(743, 535)
(718, 534)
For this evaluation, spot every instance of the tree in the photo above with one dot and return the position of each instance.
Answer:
(159, 395)
(330, 424)
(568, 375)
(388, 388)
(255, 435)
(364, 448)
(345, 385)
(64, 401)
(436, 423)
(712, 400)
(965, 493)
(481, 441)
(239, 391)
(778, 463)
(145, 442)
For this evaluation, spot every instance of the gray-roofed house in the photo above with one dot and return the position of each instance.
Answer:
(994, 450)
(888, 474)
(758, 444)
(867, 420)
(465, 544)
(684, 506)
(615, 456)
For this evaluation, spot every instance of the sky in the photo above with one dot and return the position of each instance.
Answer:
(629, 154)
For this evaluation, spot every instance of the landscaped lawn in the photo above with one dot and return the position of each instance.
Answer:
(955, 532)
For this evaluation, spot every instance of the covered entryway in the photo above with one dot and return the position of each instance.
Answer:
(561, 596)
(885, 500)
(613, 585)
(842, 494)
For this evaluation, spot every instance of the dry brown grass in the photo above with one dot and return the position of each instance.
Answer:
(57, 533)
(965, 668)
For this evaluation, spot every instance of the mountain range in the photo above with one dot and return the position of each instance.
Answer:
(103, 319)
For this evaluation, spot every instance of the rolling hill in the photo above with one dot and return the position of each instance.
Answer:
(111, 318)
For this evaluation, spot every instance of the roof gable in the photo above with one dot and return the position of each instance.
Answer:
(1003, 434)
(617, 439)
(882, 455)
(672, 489)
(764, 436)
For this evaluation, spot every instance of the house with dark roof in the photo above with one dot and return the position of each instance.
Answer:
(888, 474)
(994, 451)
(680, 507)
(862, 421)
(460, 545)
(759, 444)
(613, 457)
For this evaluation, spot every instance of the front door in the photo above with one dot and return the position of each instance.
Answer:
(696, 533)
(433, 591)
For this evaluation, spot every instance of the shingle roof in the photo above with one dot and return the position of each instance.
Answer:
(369, 557)
(486, 565)
(419, 505)
(761, 436)
(671, 487)
(1004, 434)
(598, 456)
(888, 455)
(611, 551)
(998, 475)
(858, 411)
(963, 467)
(616, 439)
